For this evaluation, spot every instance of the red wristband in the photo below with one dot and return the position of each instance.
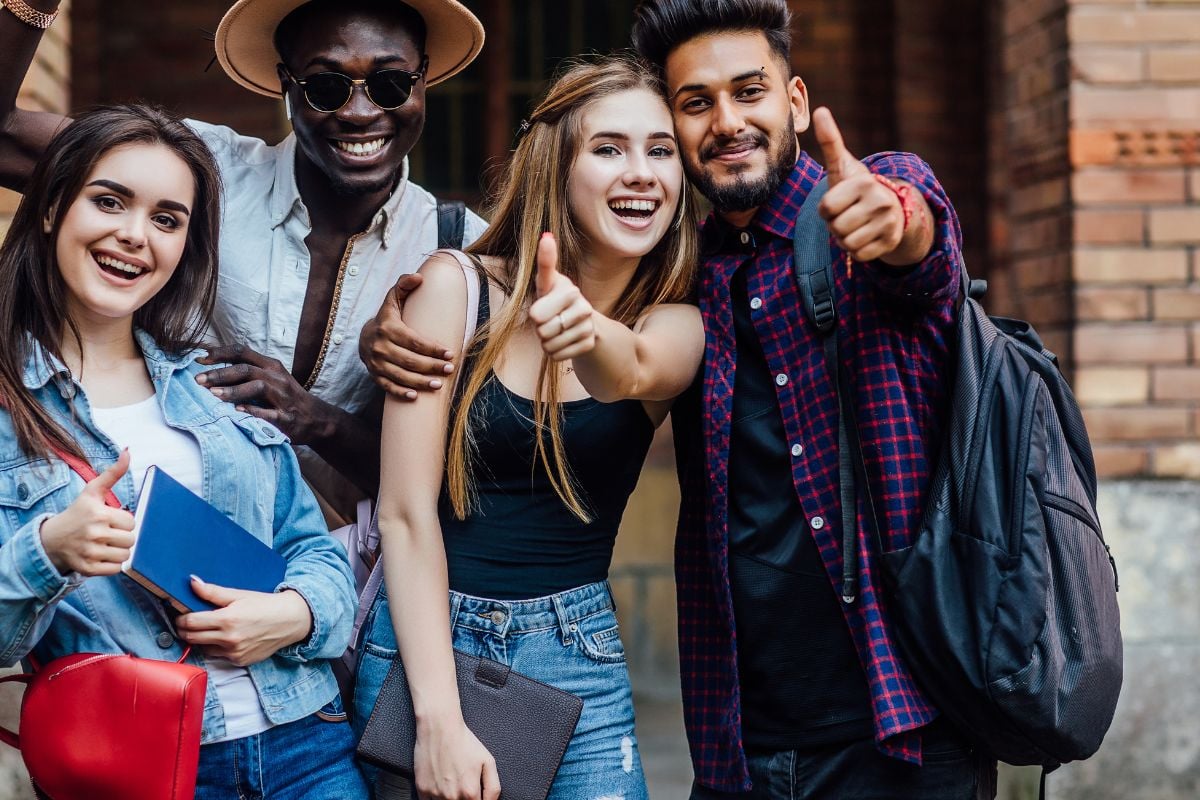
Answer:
(903, 193)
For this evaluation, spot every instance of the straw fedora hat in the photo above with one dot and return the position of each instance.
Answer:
(246, 47)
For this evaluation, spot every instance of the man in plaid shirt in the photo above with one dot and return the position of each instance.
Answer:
(792, 684)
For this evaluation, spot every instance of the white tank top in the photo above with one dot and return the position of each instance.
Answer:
(142, 429)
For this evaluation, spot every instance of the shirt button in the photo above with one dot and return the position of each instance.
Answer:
(352, 271)
(781, 379)
(756, 303)
(797, 449)
(268, 432)
(338, 339)
(498, 617)
(164, 640)
(22, 493)
(745, 238)
(818, 523)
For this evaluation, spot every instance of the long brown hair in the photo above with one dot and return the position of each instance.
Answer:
(532, 197)
(32, 291)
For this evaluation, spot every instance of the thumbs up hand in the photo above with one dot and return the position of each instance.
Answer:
(561, 314)
(864, 216)
(91, 538)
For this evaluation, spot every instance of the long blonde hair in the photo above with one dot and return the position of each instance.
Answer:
(532, 197)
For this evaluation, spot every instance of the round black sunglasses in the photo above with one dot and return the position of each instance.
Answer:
(329, 91)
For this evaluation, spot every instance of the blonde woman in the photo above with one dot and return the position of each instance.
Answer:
(508, 492)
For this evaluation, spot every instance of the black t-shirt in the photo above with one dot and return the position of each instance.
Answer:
(801, 680)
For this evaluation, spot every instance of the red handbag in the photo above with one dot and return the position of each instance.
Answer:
(111, 727)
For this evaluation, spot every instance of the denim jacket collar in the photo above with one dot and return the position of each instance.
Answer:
(42, 367)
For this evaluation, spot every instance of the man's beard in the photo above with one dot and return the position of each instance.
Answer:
(743, 193)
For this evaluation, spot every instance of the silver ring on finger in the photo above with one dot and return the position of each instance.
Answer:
(562, 325)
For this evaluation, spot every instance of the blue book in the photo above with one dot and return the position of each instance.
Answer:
(179, 534)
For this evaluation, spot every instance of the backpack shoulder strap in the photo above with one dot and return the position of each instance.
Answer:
(452, 218)
(813, 263)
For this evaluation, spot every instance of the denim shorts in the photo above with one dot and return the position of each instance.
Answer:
(569, 640)
(309, 759)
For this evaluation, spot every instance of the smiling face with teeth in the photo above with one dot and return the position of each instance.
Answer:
(123, 236)
(625, 184)
(357, 150)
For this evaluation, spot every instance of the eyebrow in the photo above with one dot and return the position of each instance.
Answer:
(625, 137)
(335, 66)
(760, 73)
(125, 191)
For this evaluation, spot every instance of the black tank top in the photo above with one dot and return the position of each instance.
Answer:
(521, 540)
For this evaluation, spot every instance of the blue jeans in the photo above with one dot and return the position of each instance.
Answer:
(309, 759)
(858, 771)
(569, 640)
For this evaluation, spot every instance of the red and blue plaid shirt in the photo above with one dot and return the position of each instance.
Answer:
(894, 327)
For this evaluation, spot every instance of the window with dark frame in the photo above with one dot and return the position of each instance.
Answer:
(474, 116)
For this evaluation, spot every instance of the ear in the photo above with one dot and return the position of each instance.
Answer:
(284, 79)
(798, 98)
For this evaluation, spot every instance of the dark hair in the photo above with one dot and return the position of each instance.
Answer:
(289, 28)
(32, 290)
(659, 26)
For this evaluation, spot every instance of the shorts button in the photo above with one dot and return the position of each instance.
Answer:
(498, 617)
(164, 640)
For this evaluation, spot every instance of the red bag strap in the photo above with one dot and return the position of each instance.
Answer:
(81, 467)
(11, 738)
(85, 470)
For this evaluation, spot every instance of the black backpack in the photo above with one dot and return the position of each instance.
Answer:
(1004, 607)
(452, 219)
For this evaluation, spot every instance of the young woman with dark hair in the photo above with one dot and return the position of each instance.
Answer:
(107, 279)
(512, 496)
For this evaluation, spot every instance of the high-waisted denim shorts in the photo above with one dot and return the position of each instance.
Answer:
(569, 640)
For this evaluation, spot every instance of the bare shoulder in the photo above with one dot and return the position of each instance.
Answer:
(683, 316)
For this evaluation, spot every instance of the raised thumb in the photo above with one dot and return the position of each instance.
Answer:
(547, 263)
(838, 161)
(103, 483)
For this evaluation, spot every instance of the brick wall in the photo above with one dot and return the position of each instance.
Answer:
(46, 88)
(163, 53)
(1028, 181)
(1135, 132)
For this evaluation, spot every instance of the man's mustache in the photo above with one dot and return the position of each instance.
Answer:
(758, 139)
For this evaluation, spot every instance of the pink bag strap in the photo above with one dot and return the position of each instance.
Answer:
(471, 274)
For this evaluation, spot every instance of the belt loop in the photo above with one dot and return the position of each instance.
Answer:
(455, 607)
(564, 622)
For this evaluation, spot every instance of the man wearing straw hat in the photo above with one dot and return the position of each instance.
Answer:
(316, 229)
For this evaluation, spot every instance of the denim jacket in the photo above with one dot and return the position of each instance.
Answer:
(249, 473)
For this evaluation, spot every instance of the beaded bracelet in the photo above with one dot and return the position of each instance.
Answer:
(903, 193)
(30, 16)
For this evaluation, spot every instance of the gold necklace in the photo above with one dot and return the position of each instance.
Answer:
(333, 310)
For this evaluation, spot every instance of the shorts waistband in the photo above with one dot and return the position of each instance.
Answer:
(501, 617)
